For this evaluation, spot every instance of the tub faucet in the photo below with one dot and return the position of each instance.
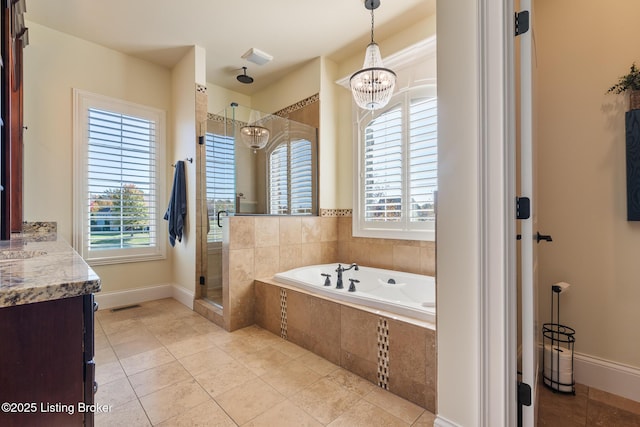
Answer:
(341, 269)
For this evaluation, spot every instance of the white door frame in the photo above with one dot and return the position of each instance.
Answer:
(498, 314)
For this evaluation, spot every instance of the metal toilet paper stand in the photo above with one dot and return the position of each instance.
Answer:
(558, 342)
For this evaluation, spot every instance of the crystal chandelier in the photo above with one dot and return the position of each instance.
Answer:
(373, 85)
(255, 137)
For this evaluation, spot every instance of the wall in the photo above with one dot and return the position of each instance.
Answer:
(582, 187)
(457, 228)
(184, 77)
(54, 64)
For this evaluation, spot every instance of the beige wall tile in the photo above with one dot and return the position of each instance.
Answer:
(359, 333)
(344, 228)
(241, 232)
(311, 253)
(311, 229)
(242, 303)
(298, 317)
(381, 256)
(329, 252)
(267, 262)
(406, 258)
(241, 265)
(324, 335)
(328, 229)
(268, 307)
(267, 231)
(428, 259)
(359, 252)
(290, 256)
(290, 230)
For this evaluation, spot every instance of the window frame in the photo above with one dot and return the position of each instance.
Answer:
(405, 229)
(82, 102)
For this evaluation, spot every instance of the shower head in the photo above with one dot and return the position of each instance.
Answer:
(243, 78)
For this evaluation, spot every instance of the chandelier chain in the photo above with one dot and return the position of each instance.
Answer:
(372, 25)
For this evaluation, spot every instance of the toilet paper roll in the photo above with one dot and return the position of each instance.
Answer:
(558, 368)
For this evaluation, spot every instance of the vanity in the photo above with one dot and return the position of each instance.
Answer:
(47, 371)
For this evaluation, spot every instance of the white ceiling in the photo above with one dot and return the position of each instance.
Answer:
(292, 31)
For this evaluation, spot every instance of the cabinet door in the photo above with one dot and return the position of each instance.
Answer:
(42, 362)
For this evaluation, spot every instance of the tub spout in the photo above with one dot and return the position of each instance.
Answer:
(342, 269)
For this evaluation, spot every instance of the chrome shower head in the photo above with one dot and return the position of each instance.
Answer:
(243, 78)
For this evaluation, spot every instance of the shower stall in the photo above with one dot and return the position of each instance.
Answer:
(255, 164)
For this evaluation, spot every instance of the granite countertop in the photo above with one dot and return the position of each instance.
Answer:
(41, 267)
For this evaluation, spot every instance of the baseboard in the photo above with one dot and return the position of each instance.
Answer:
(605, 375)
(443, 422)
(108, 300)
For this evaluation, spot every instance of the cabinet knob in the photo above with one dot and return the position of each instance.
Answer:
(95, 306)
(95, 387)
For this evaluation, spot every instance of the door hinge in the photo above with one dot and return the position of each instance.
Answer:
(524, 394)
(521, 22)
(523, 208)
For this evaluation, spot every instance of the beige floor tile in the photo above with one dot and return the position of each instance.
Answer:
(147, 360)
(115, 393)
(101, 341)
(207, 414)
(173, 400)
(154, 379)
(395, 405)
(238, 345)
(602, 414)
(172, 331)
(223, 377)
(352, 382)
(316, 363)
(290, 378)
(290, 349)
(284, 414)
(107, 372)
(130, 414)
(193, 345)
(426, 420)
(325, 400)
(263, 361)
(365, 414)
(614, 401)
(113, 327)
(247, 401)
(138, 344)
(105, 355)
(204, 361)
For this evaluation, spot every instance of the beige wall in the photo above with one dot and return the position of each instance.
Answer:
(582, 48)
(55, 63)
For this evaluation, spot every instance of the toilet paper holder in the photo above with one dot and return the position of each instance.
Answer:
(558, 349)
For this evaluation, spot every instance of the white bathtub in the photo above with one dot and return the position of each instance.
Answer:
(412, 295)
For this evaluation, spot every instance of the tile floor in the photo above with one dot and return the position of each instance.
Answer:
(589, 407)
(163, 364)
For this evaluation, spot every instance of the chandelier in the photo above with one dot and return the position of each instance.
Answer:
(372, 86)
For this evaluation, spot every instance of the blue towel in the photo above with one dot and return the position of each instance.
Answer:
(177, 209)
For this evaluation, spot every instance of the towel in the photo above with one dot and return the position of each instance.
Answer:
(177, 209)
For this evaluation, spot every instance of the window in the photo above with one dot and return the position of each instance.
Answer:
(221, 185)
(291, 186)
(119, 169)
(397, 161)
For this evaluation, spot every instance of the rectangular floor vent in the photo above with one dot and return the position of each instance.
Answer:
(126, 307)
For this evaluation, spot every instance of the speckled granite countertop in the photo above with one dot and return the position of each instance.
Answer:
(40, 267)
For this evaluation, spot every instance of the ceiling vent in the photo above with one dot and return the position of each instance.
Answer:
(257, 56)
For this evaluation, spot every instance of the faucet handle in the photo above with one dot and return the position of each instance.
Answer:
(352, 286)
(327, 279)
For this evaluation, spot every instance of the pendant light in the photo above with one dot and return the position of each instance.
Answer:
(372, 86)
(253, 135)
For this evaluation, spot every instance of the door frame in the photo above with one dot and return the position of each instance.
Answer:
(498, 305)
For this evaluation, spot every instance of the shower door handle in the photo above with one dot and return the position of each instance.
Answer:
(220, 212)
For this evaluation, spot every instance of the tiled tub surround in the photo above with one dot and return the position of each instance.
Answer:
(261, 246)
(36, 271)
(395, 353)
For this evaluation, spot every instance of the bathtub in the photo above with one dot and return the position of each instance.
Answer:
(412, 295)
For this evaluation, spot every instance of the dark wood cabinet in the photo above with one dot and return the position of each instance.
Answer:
(14, 39)
(47, 372)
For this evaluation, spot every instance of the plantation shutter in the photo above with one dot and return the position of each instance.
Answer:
(383, 167)
(423, 158)
(121, 172)
(221, 185)
(279, 180)
(301, 178)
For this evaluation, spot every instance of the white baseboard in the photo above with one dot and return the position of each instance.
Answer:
(605, 375)
(443, 422)
(136, 296)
